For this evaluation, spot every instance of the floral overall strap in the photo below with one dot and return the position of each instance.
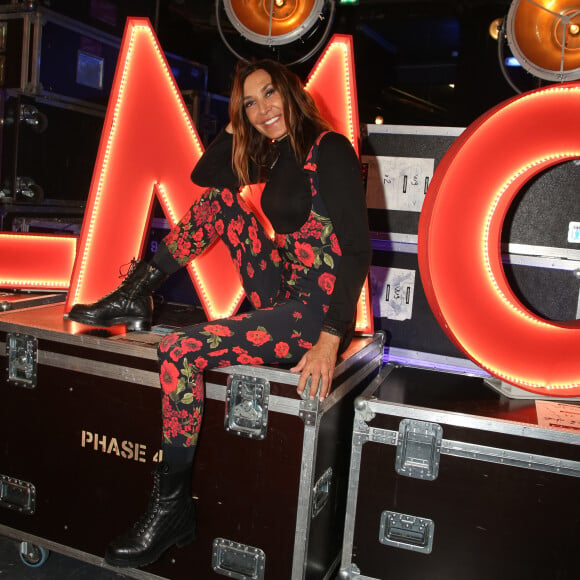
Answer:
(310, 165)
(311, 254)
(319, 211)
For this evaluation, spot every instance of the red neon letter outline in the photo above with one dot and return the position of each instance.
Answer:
(36, 261)
(148, 145)
(459, 241)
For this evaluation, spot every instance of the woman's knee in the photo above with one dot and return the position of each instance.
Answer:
(166, 344)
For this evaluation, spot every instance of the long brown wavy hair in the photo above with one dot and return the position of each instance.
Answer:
(303, 119)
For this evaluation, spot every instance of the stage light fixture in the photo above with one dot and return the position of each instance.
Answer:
(495, 28)
(544, 35)
(283, 26)
(273, 22)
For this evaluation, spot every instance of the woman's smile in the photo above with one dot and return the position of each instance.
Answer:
(263, 105)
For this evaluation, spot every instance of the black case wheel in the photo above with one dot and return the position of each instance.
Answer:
(32, 555)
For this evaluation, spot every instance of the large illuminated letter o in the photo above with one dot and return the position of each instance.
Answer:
(460, 233)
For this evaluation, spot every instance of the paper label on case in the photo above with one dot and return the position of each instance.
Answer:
(563, 416)
(397, 183)
(574, 233)
(392, 290)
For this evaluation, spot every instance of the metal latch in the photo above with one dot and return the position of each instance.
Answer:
(321, 492)
(407, 532)
(247, 400)
(418, 449)
(18, 495)
(22, 351)
(237, 560)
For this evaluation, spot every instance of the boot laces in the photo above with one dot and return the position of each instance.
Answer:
(130, 268)
(136, 287)
(146, 518)
(122, 276)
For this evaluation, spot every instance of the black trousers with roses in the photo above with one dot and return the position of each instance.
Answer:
(289, 281)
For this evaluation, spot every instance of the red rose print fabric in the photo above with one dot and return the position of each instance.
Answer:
(288, 280)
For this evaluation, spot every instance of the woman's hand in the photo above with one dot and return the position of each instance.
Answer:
(319, 363)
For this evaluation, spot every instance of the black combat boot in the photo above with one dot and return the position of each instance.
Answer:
(169, 520)
(131, 303)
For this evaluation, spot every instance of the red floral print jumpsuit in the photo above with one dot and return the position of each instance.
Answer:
(289, 281)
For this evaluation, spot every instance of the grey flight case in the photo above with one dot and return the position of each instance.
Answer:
(451, 480)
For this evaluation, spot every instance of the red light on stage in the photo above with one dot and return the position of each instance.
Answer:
(460, 232)
(36, 261)
(332, 83)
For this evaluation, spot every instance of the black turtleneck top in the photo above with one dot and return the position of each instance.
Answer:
(287, 201)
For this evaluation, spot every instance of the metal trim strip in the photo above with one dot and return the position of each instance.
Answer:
(544, 251)
(102, 369)
(19, 535)
(359, 437)
(517, 254)
(546, 260)
(26, 301)
(421, 359)
(306, 485)
(413, 130)
(511, 458)
(351, 504)
(489, 454)
(122, 345)
(502, 426)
